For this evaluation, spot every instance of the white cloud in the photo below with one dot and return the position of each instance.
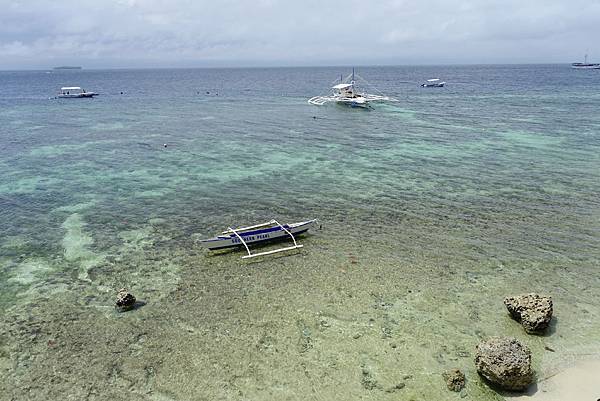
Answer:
(15, 49)
(186, 32)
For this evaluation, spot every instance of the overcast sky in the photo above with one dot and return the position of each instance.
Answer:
(188, 33)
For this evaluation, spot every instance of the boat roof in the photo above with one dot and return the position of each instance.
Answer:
(342, 86)
(70, 88)
(433, 80)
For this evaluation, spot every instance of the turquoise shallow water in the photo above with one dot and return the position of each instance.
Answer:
(433, 208)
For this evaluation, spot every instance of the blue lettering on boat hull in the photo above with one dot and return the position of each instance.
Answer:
(237, 242)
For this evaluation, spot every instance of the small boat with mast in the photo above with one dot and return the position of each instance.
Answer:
(585, 65)
(346, 93)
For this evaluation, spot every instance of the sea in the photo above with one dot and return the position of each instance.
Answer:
(432, 209)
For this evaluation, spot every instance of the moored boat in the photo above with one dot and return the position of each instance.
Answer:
(346, 93)
(72, 92)
(433, 83)
(259, 233)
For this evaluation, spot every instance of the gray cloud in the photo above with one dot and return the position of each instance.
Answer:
(123, 33)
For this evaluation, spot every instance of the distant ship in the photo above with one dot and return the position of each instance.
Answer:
(67, 67)
(585, 65)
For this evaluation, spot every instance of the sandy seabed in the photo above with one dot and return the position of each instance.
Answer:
(336, 320)
(579, 382)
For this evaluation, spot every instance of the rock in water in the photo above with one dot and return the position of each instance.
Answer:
(505, 362)
(455, 380)
(125, 300)
(533, 311)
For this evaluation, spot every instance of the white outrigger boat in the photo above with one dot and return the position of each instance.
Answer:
(433, 83)
(259, 233)
(71, 92)
(346, 93)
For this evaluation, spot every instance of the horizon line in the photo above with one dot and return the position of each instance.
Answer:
(82, 68)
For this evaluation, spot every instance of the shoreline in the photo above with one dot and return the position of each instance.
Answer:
(576, 382)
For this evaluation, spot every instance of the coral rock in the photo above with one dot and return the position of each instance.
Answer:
(533, 311)
(125, 300)
(455, 380)
(506, 362)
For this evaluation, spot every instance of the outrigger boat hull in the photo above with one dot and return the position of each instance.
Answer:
(358, 101)
(75, 92)
(433, 83)
(345, 93)
(78, 95)
(259, 233)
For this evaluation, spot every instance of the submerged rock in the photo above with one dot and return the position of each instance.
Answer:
(504, 361)
(125, 300)
(533, 311)
(455, 380)
(368, 381)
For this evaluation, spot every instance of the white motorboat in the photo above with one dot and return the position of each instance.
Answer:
(433, 83)
(75, 92)
(585, 65)
(259, 233)
(346, 93)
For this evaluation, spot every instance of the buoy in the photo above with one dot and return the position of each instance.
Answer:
(165, 145)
